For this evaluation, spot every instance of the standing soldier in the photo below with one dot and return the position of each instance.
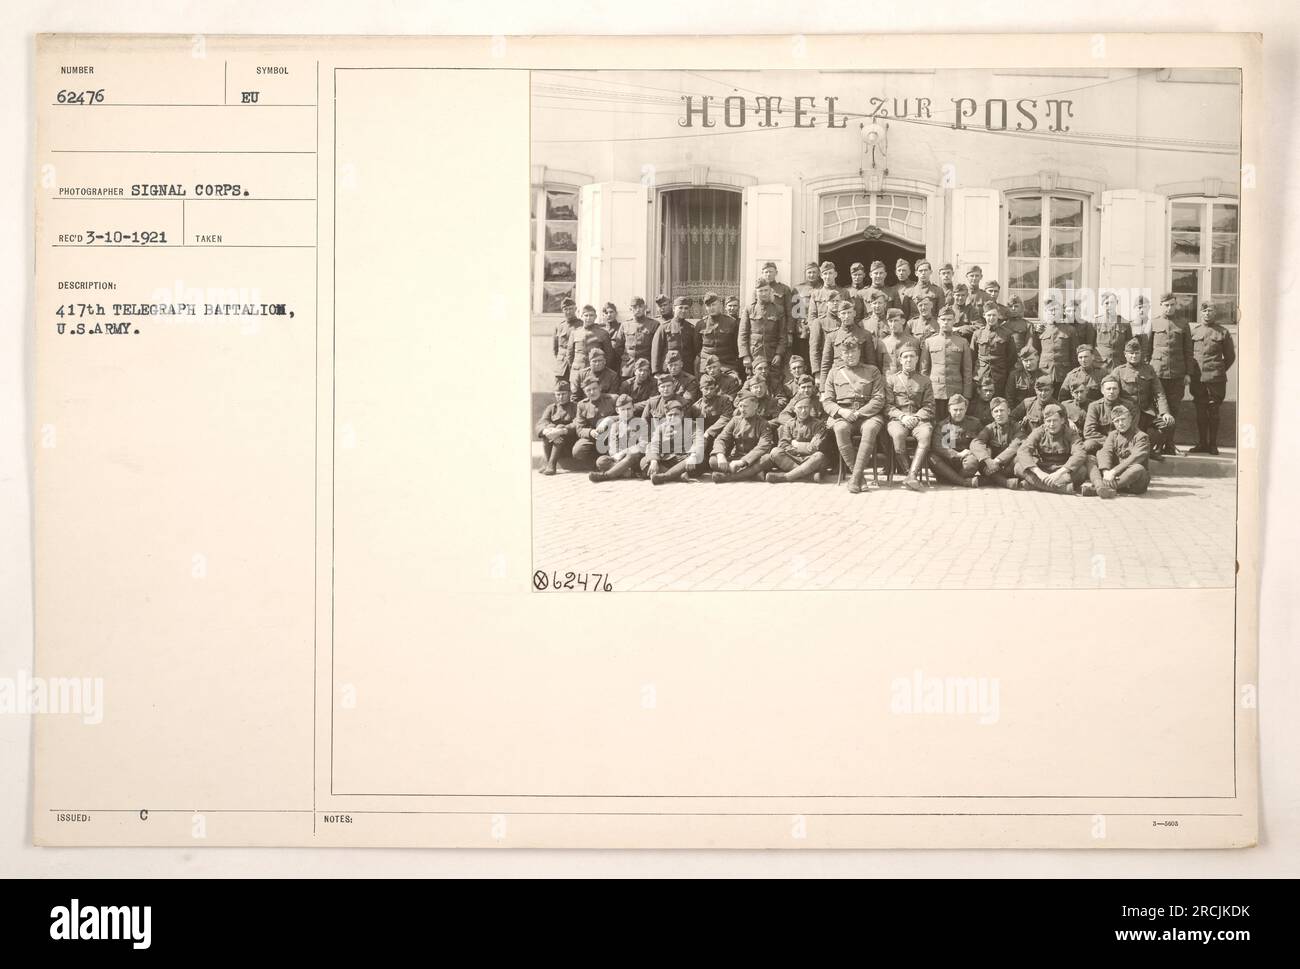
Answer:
(946, 284)
(673, 452)
(606, 376)
(1110, 332)
(889, 346)
(1013, 318)
(994, 357)
(900, 290)
(1087, 374)
(996, 445)
(1083, 329)
(762, 330)
(624, 438)
(640, 386)
(951, 459)
(1213, 355)
(924, 324)
(741, 444)
(555, 428)
(974, 276)
(717, 334)
(1051, 458)
(583, 340)
(823, 306)
(854, 400)
(946, 360)
(782, 295)
(991, 294)
(1138, 382)
(591, 410)
(878, 273)
(665, 307)
(911, 411)
(970, 313)
(859, 290)
(733, 307)
(876, 321)
(848, 328)
(1171, 358)
(1121, 464)
(1140, 327)
(675, 334)
(632, 340)
(1055, 345)
(799, 453)
(801, 310)
(924, 287)
(562, 340)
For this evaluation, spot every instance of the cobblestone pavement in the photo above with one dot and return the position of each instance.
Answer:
(754, 535)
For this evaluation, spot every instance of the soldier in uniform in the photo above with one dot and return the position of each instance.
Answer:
(798, 368)
(640, 386)
(924, 324)
(1013, 318)
(1051, 457)
(1121, 464)
(741, 444)
(1100, 421)
(665, 308)
(946, 284)
(782, 294)
(898, 292)
(590, 411)
(762, 329)
(1087, 374)
(970, 313)
(848, 327)
(583, 340)
(888, 346)
(561, 341)
(733, 307)
(1029, 413)
(924, 287)
(854, 400)
(859, 290)
(801, 310)
(1138, 382)
(993, 354)
(991, 292)
(687, 387)
(878, 274)
(876, 322)
(555, 428)
(1140, 326)
(1083, 329)
(624, 439)
(712, 410)
(656, 407)
(1110, 332)
(974, 275)
(807, 385)
(766, 384)
(1020, 382)
(996, 445)
(799, 453)
(825, 303)
(632, 340)
(1171, 358)
(951, 459)
(717, 334)
(729, 381)
(606, 376)
(946, 360)
(1076, 410)
(677, 333)
(1055, 345)
(911, 411)
(1213, 355)
(673, 453)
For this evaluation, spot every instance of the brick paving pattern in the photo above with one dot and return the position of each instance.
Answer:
(753, 535)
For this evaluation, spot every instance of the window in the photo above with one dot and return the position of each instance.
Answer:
(849, 213)
(699, 240)
(1203, 257)
(554, 226)
(1044, 247)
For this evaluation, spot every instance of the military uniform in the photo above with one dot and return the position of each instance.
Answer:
(583, 340)
(587, 420)
(993, 355)
(639, 393)
(1108, 339)
(625, 443)
(673, 334)
(762, 333)
(1090, 377)
(1047, 451)
(560, 346)
(1020, 383)
(674, 449)
(995, 447)
(1098, 422)
(951, 458)
(713, 414)
(923, 327)
(1213, 355)
(560, 417)
(1139, 383)
(799, 451)
(910, 394)
(946, 360)
(920, 289)
(1029, 414)
(632, 342)
(833, 349)
(742, 439)
(718, 335)
(1125, 453)
(800, 314)
(1077, 416)
(1171, 357)
(854, 399)
(1018, 329)
(787, 413)
(608, 377)
(1056, 348)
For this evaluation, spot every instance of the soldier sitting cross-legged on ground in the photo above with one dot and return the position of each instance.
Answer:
(742, 443)
(798, 454)
(951, 458)
(1121, 464)
(675, 451)
(1051, 458)
(622, 439)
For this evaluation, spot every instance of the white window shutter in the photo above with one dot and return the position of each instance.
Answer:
(612, 243)
(1133, 246)
(977, 232)
(768, 215)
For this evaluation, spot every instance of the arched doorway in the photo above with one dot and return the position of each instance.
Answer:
(866, 226)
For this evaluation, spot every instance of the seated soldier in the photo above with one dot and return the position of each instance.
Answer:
(590, 412)
(1098, 423)
(555, 428)
(1086, 373)
(687, 387)
(854, 400)
(951, 459)
(1029, 413)
(1121, 464)
(996, 445)
(1076, 410)
(676, 450)
(759, 386)
(797, 369)
(1021, 381)
(1139, 383)
(799, 453)
(743, 442)
(807, 384)
(654, 410)
(640, 386)
(911, 410)
(729, 382)
(771, 381)
(597, 366)
(1051, 458)
(621, 439)
(712, 410)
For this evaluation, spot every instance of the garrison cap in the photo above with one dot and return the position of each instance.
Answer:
(598, 352)
(710, 298)
(974, 270)
(674, 403)
(624, 400)
(769, 265)
(856, 266)
(902, 262)
(591, 382)
(992, 284)
(1207, 305)
(1133, 344)
(946, 311)
(802, 395)
(1084, 346)
(850, 341)
(844, 304)
(961, 288)
(811, 265)
(794, 357)
(1168, 298)
(877, 264)
(895, 314)
(827, 265)
(568, 301)
(661, 299)
(947, 266)
(681, 301)
(1026, 352)
(1048, 301)
(1048, 408)
(665, 376)
(672, 356)
(1044, 381)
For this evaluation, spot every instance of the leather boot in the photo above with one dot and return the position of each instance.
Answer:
(807, 469)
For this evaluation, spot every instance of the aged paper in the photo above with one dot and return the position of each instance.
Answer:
(304, 358)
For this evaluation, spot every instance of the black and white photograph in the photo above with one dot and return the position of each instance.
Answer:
(803, 329)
